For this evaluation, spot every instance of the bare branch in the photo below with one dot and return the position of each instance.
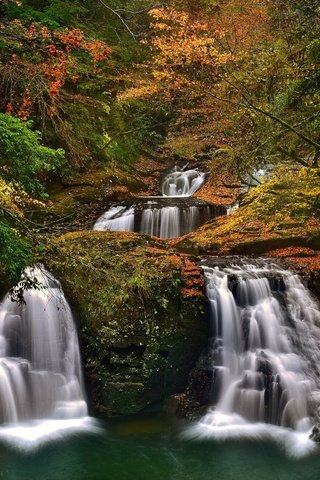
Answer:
(282, 122)
(117, 14)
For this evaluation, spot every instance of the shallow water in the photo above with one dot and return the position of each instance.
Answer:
(151, 448)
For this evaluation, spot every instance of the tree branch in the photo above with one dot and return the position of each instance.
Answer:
(251, 106)
(282, 122)
(293, 155)
(117, 14)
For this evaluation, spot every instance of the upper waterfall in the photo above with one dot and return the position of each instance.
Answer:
(182, 183)
(171, 215)
(264, 351)
(160, 217)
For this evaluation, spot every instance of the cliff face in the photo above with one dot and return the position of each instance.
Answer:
(139, 309)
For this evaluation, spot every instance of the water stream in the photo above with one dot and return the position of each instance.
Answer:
(171, 215)
(160, 217)
(265, 355)
(41, 386)
(264, 360)
(182, 183)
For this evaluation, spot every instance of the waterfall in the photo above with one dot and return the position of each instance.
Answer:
(265, 354)
(161, 217)
(180, 183)
(233, 208)
(163, 223)
(118, 218)
(41, 384)
(171, 222)
(170, 216)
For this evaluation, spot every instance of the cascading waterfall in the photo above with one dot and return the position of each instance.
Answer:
(265, 355)
(41, 384)
(119, 218)
(182, 183)
(159, 218)
(170, 216)
(172, 222)
(162, 222)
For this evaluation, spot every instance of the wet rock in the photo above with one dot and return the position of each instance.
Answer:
(315, 434)
(184, 406)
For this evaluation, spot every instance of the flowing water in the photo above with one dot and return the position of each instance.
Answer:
(119, 218)
(161, 217)
(41, 384)
(264, 350)
(265, 355)
(182, 183)
(264, 358)
(170, 216)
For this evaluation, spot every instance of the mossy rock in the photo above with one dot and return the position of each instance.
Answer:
(78, 195)
(139, 308)
(76, 201)
(283, 212)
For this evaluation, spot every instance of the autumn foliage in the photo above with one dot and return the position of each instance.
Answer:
(195, 53)
(236, 74)
(38, 63)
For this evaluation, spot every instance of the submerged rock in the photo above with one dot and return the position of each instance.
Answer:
(139, 307)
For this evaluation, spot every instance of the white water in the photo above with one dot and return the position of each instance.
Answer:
(163, 222)
(180, 183)
(170, 222)
(233, 208)
(266, 357)
(41, 384)
(118, 218)
(158, 217)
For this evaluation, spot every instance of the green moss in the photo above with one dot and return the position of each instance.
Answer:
(139, 314)
(79, 194)
(282, 212)
(123, 397)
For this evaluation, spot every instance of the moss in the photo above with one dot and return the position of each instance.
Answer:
(75, 194)
(123, 397)
(79, 199)
(283, 212)
(138, 306)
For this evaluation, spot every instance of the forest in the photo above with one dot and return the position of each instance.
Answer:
(87, 86)
(159, 239)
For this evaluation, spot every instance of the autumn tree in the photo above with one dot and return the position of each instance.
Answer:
(39, 71)
(228, 69)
